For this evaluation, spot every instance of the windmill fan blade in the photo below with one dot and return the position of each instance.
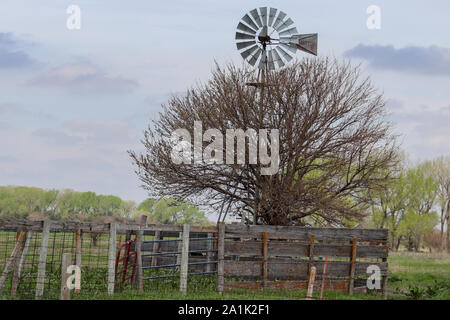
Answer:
(272, 14)
(306, 42)
(255, 57)
(289, 47)
(289, 32)
(248, 52)
(242, 36)
(256, 17)
(249, 21)
(270, 62)
(285, 25)
(244, 28)
(284, 54)
(278, 60)
(263, 11)
(245, 44)
(262, 62)
(279, 20)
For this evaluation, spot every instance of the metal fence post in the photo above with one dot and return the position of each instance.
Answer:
(42, 259)
(112, 257)
(184, 260)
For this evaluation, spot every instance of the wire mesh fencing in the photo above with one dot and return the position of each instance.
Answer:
(113, 259)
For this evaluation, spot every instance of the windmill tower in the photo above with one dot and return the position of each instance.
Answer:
(267, 39)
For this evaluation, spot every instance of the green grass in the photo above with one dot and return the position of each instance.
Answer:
(419, 276)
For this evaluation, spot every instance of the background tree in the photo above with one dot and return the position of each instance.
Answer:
(405, 206)
(172, 211)
(334, 142)
(441, 173)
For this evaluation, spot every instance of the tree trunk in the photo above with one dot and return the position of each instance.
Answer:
(443, 237)
(410, 244)
(398, 243)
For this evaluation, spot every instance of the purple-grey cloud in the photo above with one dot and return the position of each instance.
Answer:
(11, 55)
(431, 60)
(84, 77)
(425, 131)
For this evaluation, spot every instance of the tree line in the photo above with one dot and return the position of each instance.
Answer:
(18, 202)
(413, 204)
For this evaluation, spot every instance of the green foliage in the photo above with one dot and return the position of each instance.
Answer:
(30, 202)
(23, 202)
(172, 211)
(405, 206)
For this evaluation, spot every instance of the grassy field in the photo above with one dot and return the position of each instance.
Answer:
(419, 276)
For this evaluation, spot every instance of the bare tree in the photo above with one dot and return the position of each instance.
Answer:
(334, 143)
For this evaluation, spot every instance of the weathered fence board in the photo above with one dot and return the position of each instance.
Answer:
(293, 249)
(287, 232)
(295, 270)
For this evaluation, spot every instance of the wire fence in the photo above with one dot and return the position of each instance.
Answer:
(31, 259)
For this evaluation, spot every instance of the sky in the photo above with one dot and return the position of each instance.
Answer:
(73, 101)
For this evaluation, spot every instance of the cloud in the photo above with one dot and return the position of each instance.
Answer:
(11, 55)
(431, 60)
(14, 110)
(80, 154)
(425, 131)
(84, 77)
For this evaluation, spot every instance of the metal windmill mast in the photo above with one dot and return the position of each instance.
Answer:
(268, 39)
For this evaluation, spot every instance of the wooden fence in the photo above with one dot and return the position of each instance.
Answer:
(243, 256)
(282, 257)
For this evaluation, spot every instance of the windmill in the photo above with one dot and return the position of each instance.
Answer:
(267, 39)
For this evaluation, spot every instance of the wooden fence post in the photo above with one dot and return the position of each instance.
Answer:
(384, 284)
(19, 266)
(311, 253)
(66, 261)
(78, 240)
(265, 253)
(184, 259)
(179, 249)
(42, 259)
(139, 238)
(156, 248)
(220, 256)
(209, 253)
(312, 276)
(12, 259)
(352, 267)
(112, 257)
